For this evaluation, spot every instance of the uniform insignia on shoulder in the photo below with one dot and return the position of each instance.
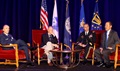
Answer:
(93, 31)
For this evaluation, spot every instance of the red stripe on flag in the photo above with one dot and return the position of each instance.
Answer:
(44, 19)
(42, 10)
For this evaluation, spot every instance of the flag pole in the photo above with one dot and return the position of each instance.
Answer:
(96, 2)
(40, 26)
(40, 19)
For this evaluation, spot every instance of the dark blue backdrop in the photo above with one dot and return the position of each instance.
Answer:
(23, 15)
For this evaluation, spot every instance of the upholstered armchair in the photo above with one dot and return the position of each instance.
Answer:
(36, 42)
(13, 56)
(115, 56)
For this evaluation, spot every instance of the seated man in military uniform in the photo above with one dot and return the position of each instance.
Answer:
(6, 38)
(85, 41)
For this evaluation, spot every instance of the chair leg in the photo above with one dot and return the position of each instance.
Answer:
(115, 66)
(93, 58)
(93, 61)
(17, 64)
(38, 56)
(115, 62)
(38, 61)
(93, 55)
(16, 56)
(116, 58)
(61, 58)
(17, 61)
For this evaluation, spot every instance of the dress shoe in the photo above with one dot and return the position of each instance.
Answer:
(84, 61)
(30, 63)
(100, 65)
(103, 66)
(107, 65)
(50, 64)
(76, 61)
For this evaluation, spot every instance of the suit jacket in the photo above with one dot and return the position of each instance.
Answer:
(86, 39)
(45, 39)
(113, 39)
(6, 39)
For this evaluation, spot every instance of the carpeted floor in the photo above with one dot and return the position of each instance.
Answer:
(45, 67)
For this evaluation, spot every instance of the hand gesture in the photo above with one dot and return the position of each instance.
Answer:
(55, 45)
(90, 36)
(110, 48)
(83, 45)
(101, 49)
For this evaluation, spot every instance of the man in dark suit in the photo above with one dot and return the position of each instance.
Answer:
(109, 40)
(6, 38)
(85, 41)
(49, 41)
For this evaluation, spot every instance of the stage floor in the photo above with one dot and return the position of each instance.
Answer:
(45, 67)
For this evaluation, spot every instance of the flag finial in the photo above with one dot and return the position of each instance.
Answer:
(67, 1)
(67, 5)
(96, 0)
(54, 1)
(81, 2)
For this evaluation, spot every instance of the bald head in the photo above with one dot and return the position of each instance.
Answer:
(50, 29)
(6, 29)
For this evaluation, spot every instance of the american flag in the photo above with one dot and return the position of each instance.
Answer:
(44, 15)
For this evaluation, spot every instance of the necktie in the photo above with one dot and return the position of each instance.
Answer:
(86, 36)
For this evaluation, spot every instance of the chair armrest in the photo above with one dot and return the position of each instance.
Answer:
(8, 46)
(60, 46)
(15, 47)
(67, 46)
(33, 41)
(34, 44)
(117, 46)
(73, 45)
